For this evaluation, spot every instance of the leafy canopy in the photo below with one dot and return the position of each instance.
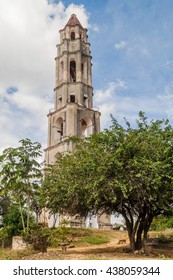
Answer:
(20, 173)
(125, 170)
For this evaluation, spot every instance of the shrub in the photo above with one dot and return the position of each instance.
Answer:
(161, 222)
(12, 221)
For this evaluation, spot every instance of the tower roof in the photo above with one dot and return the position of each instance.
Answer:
(73, 21)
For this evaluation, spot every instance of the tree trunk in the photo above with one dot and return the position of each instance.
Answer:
(132, 241)
(131, 230)
(146, 228)
(3, 243)
(138, 241)
(131, 236)
(21, 213)
(134, 230)
(28, 213)
(55, 217)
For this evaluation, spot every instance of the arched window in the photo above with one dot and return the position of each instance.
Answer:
(85, 71)
(72, 35)
(86, 127)
(60, 102)
(58, 130)
(57, 156)
(82, 69)
(61, 73)
(61, 129)
(85, 101)
(72, 71)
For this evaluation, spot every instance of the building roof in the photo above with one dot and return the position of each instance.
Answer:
(73, 21)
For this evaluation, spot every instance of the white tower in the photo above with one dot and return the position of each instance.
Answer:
(73, 113)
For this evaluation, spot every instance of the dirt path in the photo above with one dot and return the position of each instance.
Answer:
(109, 251)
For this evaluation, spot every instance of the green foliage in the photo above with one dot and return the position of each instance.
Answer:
(80, 236)
(125, 170)
(162, 222)
(95, 239)
(4, 233)
(63, 230)
(12, 221)
(4, 205)
(63, 234)
(19, 176)
(3, 236)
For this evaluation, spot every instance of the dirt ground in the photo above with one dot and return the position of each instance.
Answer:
(108, 251)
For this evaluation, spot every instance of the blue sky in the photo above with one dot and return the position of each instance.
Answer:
(132, 50)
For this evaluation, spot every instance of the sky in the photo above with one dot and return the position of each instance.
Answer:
(132, 55)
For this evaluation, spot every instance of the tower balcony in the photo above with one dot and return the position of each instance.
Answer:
(95, 108)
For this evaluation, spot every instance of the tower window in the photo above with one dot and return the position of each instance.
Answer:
(86, 101)
(86, 127)
(82, 69)
(72, 35)
(58, 130)
(85, 71)
(60, 102)
(73, 71)
(61, 131)
(84, 123)
(72, 98)
(61, 73)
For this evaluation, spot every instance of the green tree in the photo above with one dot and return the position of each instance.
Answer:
(4, 206)
(162, 222)
(125, 170)
(20, 174)
(13, 223)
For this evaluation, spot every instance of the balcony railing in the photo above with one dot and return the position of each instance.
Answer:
(51, 110)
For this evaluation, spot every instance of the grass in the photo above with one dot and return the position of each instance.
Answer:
(162, 235)
(95, 239)
(8, 254)
(81, 237)
(88, 238)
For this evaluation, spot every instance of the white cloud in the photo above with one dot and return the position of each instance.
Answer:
(168, 93)
(169, 64)
(29, 32)
(102, 95)
(167, 100)
(121, 45)
(106, 101)
(94, 27)
(115, 100)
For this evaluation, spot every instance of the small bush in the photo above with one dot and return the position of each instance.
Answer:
(61, 234)
(161, 222)
(13, 223)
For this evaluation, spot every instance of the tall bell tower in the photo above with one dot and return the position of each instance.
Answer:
(73, 113)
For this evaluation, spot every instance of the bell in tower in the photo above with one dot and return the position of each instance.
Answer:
(73, 113)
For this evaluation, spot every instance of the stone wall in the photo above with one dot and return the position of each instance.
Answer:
(18, 243)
